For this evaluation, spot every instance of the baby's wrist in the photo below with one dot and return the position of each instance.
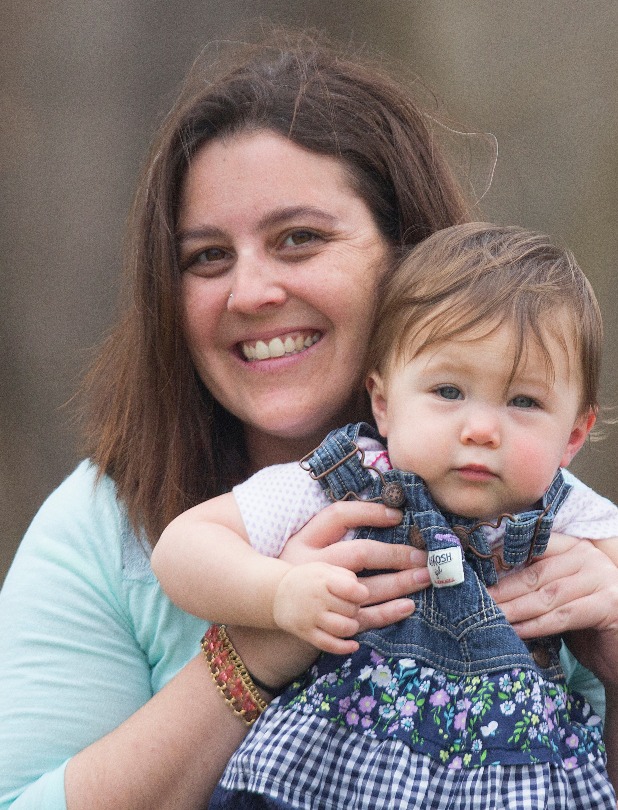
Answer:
(276, 658)
(283, 596)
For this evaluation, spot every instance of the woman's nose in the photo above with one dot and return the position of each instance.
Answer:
(256, 283)
(481, 426)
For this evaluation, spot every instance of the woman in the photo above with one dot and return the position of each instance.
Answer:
(276, 195)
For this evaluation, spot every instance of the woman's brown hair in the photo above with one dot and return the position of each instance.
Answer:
(152, 425)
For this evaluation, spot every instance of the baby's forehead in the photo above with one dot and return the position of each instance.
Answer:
(540, 349)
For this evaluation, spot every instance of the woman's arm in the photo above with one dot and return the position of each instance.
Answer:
(180, 741)
(168, 754)
(84, 644)
(171, 752)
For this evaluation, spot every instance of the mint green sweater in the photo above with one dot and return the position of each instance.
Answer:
(86, 638)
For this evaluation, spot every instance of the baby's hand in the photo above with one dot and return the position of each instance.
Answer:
(320, 603)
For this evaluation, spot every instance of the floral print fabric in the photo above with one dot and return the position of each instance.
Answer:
(460, 721)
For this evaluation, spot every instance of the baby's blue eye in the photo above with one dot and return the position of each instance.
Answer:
(524, 402)
(449, 392)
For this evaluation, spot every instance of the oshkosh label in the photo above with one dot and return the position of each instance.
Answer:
(446, 566)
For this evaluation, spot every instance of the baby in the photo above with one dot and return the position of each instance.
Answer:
(483, 379)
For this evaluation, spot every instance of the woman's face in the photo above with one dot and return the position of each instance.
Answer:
(281, 260)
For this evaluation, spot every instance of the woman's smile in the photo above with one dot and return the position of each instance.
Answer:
(281, 346)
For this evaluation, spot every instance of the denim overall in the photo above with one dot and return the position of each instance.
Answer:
(412, 719)
(459, 629)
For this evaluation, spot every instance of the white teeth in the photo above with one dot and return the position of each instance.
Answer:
(261, 350)
(277, 347)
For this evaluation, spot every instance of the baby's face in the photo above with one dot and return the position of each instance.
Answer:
(483, 444)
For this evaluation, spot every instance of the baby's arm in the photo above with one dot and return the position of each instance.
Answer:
(586, 514)
(207, 567)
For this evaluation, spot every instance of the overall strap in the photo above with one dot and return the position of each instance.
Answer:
(526, 534)
(338, 463)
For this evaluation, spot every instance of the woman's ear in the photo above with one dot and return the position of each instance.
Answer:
(377, 393)
(579, 434)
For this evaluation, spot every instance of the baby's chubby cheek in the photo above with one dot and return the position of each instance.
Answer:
(529, 474)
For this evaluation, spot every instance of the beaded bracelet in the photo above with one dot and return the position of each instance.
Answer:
(231, 676)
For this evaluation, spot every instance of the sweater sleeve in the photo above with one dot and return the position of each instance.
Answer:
(71, 668)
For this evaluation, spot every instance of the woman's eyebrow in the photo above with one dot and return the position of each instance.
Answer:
(279, 215)
(275, 217)
(199, 232)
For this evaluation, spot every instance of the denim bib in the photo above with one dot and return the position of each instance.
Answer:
(457, 629)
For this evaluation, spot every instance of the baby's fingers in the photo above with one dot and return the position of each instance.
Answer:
(336, 624)
(342, 607)
(332, 644)
(344, 587)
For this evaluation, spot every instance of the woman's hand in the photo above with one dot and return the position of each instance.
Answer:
(276, 657)
(318, 540)
(572, 590)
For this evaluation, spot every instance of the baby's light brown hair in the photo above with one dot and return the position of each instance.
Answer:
(477, 276)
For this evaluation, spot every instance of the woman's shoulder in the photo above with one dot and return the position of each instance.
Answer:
(84, 490)
(80, 562)
(76, 534)
(80, 516)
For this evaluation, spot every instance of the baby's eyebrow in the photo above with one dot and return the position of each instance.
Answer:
(443, 365)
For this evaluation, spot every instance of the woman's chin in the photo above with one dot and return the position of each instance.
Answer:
(285, 440)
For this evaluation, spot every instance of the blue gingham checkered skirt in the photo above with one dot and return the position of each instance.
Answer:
(305, 762)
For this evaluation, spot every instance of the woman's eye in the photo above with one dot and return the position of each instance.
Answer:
(449, 392)
(524, 402)
(208, 260)
(213, 254)
(299, 238)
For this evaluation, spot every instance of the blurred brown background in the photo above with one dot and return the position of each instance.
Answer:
(84, 82)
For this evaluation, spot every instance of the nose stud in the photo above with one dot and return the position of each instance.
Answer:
(231, 296)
